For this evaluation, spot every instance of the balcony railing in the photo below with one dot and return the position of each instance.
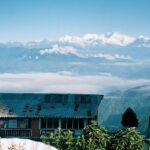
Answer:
(15, 132)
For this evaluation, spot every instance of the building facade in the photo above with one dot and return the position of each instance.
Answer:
(31, 115)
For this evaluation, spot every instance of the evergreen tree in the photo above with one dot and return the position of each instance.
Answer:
(129, 118)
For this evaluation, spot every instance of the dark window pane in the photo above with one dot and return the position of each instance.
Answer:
(23, 123)
(56, 123)
(76, 102)
(69, 123)
(12, 123)
(88, 99)
(75, 123)
(85, 99)
(58, 98)
(65, 99)
(77, 99)
(3, 123)
(55, 98)
(50, 123)
(63, 123)
(43, 123)
(29, 123)
(81, 123)
(47, 98)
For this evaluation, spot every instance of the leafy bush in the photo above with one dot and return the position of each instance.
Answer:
(57, 140)
(95, 137)
(126, 139)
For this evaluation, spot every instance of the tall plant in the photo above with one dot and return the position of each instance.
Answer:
(126, 139)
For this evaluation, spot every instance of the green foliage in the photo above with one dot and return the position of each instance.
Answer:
(126, 139)
(129, 118)
(95, 137)
(56, 140)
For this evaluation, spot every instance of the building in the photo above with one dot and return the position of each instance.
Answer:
(30, 115)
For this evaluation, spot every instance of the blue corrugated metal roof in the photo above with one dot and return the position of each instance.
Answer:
(48, 105)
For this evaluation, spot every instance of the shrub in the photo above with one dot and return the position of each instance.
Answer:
(95, 137)
(126, 139)
(56, 140)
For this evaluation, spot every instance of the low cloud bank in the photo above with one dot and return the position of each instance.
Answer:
(64, 83)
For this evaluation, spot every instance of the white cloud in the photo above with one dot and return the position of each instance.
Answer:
(112, 57)
(59, 50)
(143, 41)
(142, 37)
(71, 50)
(94, 39)
(64, 83)
(116, 39)
(72, 40)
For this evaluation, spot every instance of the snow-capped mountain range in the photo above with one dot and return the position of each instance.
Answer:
(87, 40)
(112, 53)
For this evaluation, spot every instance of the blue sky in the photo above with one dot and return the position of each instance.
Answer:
(39, 19)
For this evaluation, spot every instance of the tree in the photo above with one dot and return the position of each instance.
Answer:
(126, 139)
(129, 118)
(96, 137)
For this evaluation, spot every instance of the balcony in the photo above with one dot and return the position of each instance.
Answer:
(25, 133)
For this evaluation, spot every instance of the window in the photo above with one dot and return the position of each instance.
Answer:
(85, 99)
(56, 123)
(12, 123)
(65, 99)
(3, 123)
(76, 107)
(23, 123)
(43, 123)
(75, 123)
(57, 98)
(47, 98)
(50, 123)
(77, 99)
(63, 123)
(88, 99)
(69, 123)
(81, 123)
